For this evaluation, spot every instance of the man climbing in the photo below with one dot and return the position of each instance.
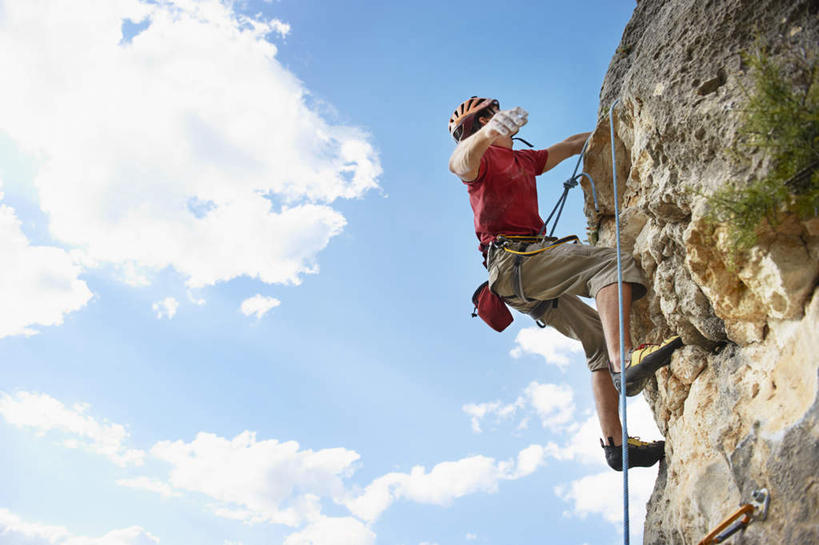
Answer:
(546, 283)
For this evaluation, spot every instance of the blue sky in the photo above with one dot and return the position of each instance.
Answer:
(237, 275)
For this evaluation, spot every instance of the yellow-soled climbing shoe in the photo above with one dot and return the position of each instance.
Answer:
(640, 453)
(643, 362)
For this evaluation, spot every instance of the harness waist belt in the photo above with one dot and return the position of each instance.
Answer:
(503, 241)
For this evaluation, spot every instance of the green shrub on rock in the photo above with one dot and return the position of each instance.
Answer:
(781, 119)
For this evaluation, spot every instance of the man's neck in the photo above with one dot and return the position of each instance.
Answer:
(505, 142)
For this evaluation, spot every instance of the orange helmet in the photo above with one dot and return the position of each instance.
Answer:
(462, 122)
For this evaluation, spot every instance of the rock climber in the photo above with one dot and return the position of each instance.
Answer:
(547, 285)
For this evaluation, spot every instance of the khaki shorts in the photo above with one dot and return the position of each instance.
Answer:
(565, 273)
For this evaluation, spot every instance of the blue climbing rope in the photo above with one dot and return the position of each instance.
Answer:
(622, 333)
(567, 185)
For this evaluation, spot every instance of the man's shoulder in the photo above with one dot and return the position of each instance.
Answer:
(535, 159)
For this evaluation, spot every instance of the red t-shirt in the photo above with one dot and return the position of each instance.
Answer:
(504, 195)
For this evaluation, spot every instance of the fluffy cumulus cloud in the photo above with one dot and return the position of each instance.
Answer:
(187, 145)
(553, 404)
(595, 494)
(600, 492)
(445, 482)
(584, 444)
(333, 531)
(166, 308)
(39, 285)
(16, 531)
(257, 481)
(258, 305)
(554, 347)
(42, 413)
(501, 411)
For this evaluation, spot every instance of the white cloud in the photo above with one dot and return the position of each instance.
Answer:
(641, 420)
(471, 536)
(258, 305)
(283, 29)
(479, 411)
(127, 536)
(190, 146)
(268, 481)
(257, 481)
(152, 485)
(166, 308)
(43, 413)
(16, 531)
(445, 482)
(553, 404)
(598, 493)
(549, 343)
(39, 285)
(602, 494)
(196, 300)
(333, 531)
(584, 445)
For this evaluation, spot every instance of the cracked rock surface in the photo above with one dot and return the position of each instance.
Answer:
(738, 405)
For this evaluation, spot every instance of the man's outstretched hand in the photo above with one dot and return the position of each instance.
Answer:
(507, 122)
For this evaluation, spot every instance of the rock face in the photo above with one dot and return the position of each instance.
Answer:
(738, 405)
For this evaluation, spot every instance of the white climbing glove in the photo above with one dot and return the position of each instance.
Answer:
(508, 122)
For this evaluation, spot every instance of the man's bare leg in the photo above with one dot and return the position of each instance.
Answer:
(609, 311)
(606, 400)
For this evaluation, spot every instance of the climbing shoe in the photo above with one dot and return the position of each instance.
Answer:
(640, 453)
(643, 362)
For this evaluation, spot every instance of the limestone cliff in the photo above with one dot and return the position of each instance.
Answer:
(738, 405)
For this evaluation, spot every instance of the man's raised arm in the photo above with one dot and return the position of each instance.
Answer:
(465, 161)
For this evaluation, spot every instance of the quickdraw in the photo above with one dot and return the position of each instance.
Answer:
(756, 510)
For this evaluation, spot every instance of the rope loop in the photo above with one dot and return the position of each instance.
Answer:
(567, 185)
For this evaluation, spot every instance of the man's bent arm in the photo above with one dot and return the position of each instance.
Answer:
(465, 161)
(563, 150)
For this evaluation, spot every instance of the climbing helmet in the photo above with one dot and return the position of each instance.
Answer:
(462, 123)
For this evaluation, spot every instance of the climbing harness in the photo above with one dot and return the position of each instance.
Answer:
(756, 510)
(503, 242)
(626, 537)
